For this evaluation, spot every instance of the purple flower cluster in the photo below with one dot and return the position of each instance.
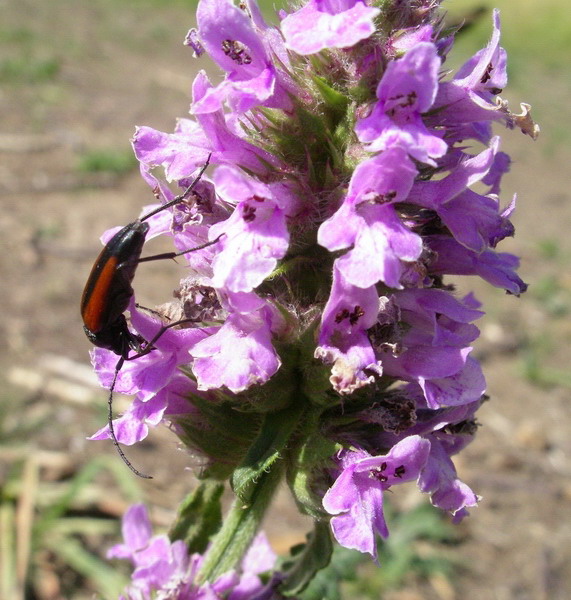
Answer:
(165, 569)
(342, 195)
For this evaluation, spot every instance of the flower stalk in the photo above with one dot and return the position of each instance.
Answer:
(240, 526)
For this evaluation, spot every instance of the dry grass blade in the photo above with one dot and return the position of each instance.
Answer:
(25, 520)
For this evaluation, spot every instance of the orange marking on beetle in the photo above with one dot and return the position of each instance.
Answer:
(94, 308)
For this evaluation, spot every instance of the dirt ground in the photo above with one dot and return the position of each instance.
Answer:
(94, 70)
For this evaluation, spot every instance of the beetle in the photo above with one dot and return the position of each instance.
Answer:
(108, 292)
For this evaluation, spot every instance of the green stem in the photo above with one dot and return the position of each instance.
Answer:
(239, 527)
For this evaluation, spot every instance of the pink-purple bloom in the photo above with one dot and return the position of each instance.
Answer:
(233, 41)
(434, 352)
(407, 89)
(254, 237)
(473, 219)
(322, 24)
(165, 569)
(350, 176)
(471, 94)
(343, 340)
(240, 354)
(356, 498)
(367, 222)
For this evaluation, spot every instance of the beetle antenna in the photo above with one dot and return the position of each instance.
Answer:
(112, 429)
(182, 196)
(173, 255)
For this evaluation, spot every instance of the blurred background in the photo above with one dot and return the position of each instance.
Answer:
(76, 76)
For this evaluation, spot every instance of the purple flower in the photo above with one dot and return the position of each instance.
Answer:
(253, 238)
(153, 371)
(230, 37)
(225, 137)
(500, 166)
(356, 498)
(434, 351)
(438, 317)
(368, 221)
(471, 95)
(180, 153)
(324, 24)
(159, 564)
(439, 478)
(240, 354)
(497, 268)
(192, 39)
(134, 424)
(408, 39)
(407, 90)
(260, 558)
(343, 340)
(474, 220)
(153, 377)
(136, 529)
(165, 569)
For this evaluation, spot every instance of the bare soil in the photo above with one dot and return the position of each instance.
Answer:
(123, 64)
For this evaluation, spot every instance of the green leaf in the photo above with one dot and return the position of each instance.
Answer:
(305, 464)
(331, 97)
(268, 448)
(310, 558)
(326, 585)
(199, 517)
(221, 433)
